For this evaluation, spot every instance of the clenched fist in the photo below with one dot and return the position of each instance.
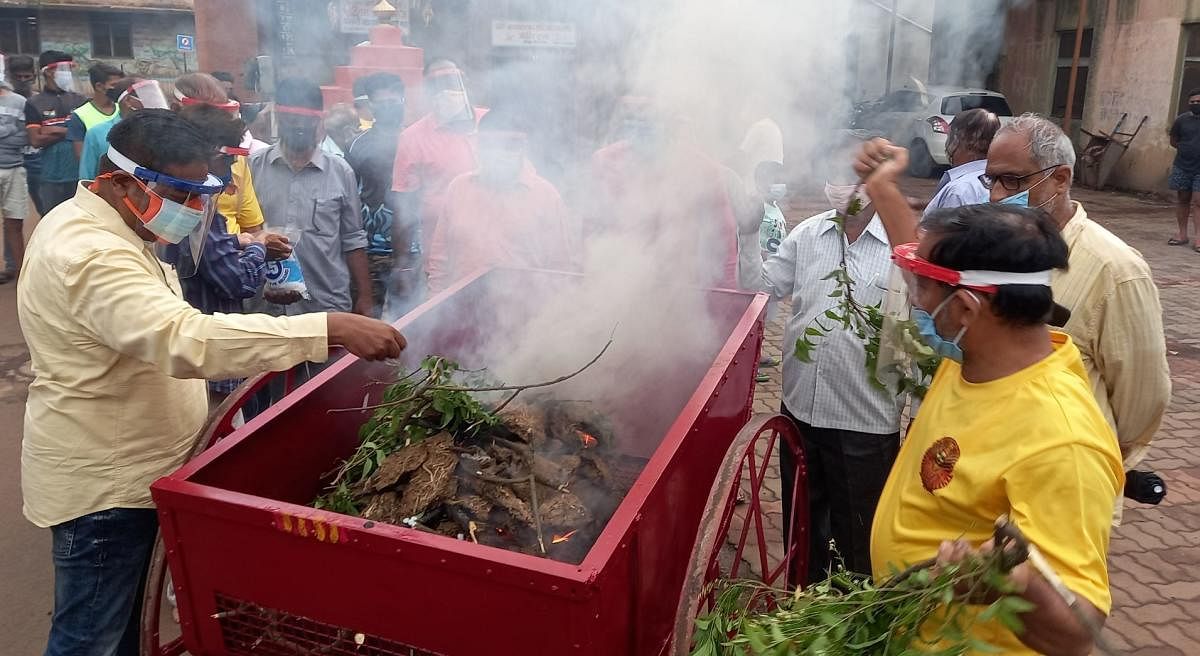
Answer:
(881, 161)
(369, 339)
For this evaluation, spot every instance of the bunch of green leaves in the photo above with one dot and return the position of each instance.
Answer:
(867, 323)
(922, 612)
(426, 401)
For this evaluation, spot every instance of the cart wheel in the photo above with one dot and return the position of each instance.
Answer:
(737, 530)
(220, 424)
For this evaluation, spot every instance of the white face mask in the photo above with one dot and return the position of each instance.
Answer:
(64, 80)
(777, 192)
(839, 196)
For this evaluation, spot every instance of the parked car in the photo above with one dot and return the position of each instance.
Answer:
(920, 120)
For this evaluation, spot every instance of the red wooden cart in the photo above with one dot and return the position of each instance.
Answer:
(258, 572)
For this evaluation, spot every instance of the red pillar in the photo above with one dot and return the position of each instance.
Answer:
(227, 38)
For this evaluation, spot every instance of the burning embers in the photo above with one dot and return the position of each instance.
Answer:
(540, 482)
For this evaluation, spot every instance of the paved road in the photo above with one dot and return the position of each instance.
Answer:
(1155, 562)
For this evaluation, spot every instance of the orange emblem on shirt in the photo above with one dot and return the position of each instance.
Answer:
(937, 467)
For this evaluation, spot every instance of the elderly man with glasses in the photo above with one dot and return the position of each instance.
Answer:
(1116, 317)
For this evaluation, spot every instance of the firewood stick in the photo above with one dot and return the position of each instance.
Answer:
(537, 519)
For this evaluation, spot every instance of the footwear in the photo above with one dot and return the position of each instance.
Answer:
(1176, 242)
(768, 361)
(762, 377)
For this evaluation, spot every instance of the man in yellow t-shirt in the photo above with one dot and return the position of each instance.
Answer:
(239, 203)
(1009, 425)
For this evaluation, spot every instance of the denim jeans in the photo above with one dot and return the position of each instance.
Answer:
(100, 563)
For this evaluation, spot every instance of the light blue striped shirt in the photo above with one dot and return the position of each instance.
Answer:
(834, 390)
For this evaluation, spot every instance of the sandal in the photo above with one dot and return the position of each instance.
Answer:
(1177, 242)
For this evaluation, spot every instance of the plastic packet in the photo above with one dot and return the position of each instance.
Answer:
(286, 275)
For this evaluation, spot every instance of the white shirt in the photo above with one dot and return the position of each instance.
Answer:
(834, 390)
(960, 186)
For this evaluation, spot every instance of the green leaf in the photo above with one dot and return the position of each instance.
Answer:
(803, 351)
(813, 332)
(835, 293)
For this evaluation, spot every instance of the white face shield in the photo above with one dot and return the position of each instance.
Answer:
(446, 93)
(147, 94)
(179, 212)
(63, 74)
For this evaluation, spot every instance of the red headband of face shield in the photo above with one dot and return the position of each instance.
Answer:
(905, 256)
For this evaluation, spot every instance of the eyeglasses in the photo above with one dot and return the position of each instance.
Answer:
(1008, 181)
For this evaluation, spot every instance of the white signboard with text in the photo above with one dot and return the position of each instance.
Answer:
(532, 34)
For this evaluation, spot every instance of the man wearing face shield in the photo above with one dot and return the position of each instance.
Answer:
(313, 199)
(504, 214)
(851, 428)
(1009, 426)
(429, 154)
(128, 95)
(119, 360)
(1115, 314)
(239, 204)
(46, 116)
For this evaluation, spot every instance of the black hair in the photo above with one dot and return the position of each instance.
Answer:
(221, 127)
(20, 62)
(299, 92)
(995, 237)
(376, 82)
(439, 62)
(100, 73)
(122, 85)
(765, 172)
(1194, 92)
(53, 57)
(973, 130)
(156, 139)
(223, 76)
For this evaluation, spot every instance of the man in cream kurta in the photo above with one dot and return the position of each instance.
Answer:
(119, 360)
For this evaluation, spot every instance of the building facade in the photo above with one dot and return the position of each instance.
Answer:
(1138, 57)
(138, 36)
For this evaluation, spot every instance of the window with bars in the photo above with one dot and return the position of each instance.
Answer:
(1066, 52)
(19, 33)
(1190, 75)
(112, 37)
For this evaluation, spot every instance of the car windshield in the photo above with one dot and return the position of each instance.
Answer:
(997, 105)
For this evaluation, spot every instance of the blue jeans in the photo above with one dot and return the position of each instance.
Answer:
(100, 563)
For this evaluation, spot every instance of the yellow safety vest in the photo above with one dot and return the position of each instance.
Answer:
(91, 116)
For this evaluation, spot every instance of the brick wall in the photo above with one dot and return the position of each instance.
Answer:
(153, 37)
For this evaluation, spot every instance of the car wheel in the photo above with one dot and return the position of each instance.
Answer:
(920, 162)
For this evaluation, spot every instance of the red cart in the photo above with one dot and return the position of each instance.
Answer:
(258, 572)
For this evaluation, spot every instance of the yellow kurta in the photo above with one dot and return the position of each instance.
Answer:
(119, 360)
(1033, 445)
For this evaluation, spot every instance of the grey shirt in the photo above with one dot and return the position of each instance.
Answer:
(318, 208)
(13, 136)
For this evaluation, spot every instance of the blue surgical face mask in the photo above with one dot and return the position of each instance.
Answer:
(1022, 199)
(929, 332)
